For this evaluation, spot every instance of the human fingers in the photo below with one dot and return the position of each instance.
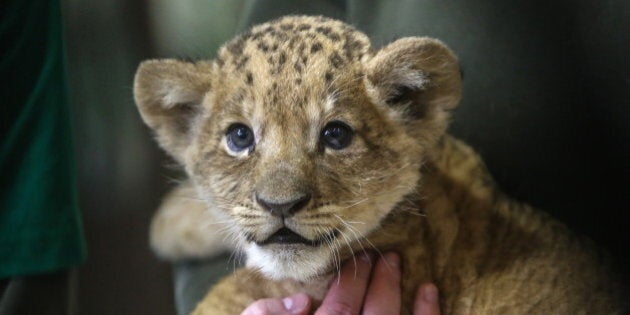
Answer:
(347, 290)
(426, 302)
(297, 304)
(383, 296)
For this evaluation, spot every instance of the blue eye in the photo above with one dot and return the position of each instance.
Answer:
(239, 137)
(337, 135)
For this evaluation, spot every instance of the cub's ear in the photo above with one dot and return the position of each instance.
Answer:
(169, 94)
(419, 77)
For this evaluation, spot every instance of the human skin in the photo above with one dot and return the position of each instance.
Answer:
(365, 284)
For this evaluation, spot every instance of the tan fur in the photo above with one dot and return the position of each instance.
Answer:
(179, 229)
(402, 184)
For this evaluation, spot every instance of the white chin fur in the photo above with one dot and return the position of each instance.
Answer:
(299, 262)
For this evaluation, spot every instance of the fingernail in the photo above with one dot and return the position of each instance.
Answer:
(393, 259)
(288, 303)
(430, 293)
(295, 303)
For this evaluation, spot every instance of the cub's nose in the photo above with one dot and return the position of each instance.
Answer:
(284, 209)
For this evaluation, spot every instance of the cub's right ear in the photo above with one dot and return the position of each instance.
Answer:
(169, 94)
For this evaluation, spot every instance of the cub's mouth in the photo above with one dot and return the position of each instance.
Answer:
(285, 236)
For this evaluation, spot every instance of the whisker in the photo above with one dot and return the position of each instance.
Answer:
(354, 260)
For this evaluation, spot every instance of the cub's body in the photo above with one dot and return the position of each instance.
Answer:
(306, 146)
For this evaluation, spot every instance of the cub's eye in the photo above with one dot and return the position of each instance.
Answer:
(336, 135)
(239, 137)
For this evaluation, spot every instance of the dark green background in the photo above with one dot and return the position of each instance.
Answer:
(40, 229)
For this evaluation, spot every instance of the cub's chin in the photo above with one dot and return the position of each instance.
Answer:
(279, 261)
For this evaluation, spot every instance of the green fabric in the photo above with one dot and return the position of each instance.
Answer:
(40, 227)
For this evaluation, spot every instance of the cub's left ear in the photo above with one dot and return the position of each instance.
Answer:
(169, 95)
(419, 75)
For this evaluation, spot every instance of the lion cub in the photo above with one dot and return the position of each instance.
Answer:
(307, 145)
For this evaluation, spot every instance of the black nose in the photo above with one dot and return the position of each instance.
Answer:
(285, 209)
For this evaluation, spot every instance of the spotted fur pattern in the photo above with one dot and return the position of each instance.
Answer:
(401, 184)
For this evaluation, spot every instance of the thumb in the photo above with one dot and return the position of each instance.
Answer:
(297, 304)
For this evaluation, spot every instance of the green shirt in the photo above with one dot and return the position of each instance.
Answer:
(40, 226)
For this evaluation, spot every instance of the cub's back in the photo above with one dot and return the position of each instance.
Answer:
(500, 256)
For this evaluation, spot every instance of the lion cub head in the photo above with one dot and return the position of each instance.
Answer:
(301, 135)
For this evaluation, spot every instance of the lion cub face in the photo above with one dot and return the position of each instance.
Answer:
(301, 135)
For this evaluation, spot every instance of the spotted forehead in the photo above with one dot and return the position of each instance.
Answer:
(293, 51)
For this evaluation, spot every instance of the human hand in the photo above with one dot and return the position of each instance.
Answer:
(363, 289)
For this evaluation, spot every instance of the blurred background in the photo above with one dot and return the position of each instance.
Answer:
(546, 102)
